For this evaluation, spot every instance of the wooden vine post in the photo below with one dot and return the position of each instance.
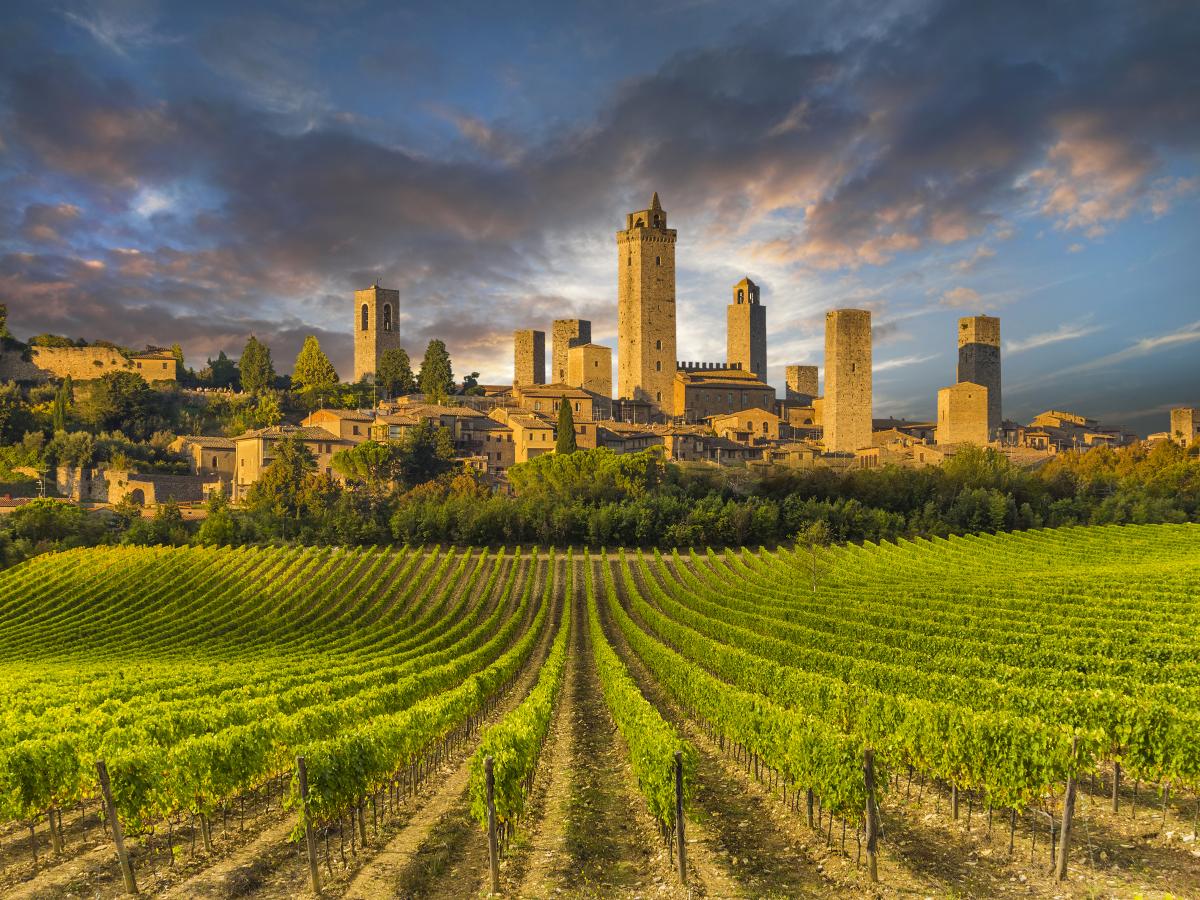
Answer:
(314, 874)
(118, 835)
(680, 836)
(872, 812)
(1064, 845)
(489, 770)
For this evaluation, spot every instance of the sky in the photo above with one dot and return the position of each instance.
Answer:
(197, 172)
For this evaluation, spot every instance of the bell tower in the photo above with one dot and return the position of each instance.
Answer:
(376, 328)
(646, 309)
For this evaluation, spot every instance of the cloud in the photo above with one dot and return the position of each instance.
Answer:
(1187, 334)
(961, 297)
(1065, 332)
(971, 263)
(835, 146)
(49, 223)
(902, 362)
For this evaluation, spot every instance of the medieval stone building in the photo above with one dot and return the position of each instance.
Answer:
(962, 414)
(746, 330)
(646, 309)
(979, 361)
(376, 328)
(529, 357)
(847, 409)
(568, 333)
(801, 384)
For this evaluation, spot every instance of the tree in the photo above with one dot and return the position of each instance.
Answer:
(280, 488)
(437, 379)
(15, 415)
(181, 370)
(426, 452)
(64, 398)
(395, 374)
(371, 462)
(219, 528)
(4, 321)
(313, 368)
(812, 538)
(471, 386)
(122, 401)
(221, 372)
(566, 429)
(258, 373)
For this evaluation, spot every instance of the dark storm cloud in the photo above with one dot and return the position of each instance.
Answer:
(924, 129)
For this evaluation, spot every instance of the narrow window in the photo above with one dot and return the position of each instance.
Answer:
(658, 345)
(658, 260)
(658, 367)
(741, 296)
(387, 317)
(658, 396)
(364, 317)
(214, 465)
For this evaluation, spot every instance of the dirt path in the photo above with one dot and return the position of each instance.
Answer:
(596, 839)
(441, 851)
(536, 864)
(740, 849)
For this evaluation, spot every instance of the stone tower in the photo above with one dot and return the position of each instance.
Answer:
(646, 309)
(529, 357)
(746, 330)
(979, 361)
(589, 366)
(1185, 425)
(801, 384)
(847, 410)
(568, 333)
(962, 414)
(376, 328)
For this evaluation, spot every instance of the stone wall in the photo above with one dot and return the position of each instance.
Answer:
(82, 364)
(963, 414)
(801, 384)
(529, 357)
(979, 361)
(589, 366)
(153, 489)
(847, 409)
(568, 333)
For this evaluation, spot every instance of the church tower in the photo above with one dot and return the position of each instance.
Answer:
(375, 328)
(646, 309)
(746, 330)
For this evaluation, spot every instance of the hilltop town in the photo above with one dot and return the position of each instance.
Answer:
(714, 412)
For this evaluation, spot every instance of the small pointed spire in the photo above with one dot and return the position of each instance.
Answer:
(654, 204)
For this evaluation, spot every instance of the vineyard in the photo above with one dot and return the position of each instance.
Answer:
(980, 716)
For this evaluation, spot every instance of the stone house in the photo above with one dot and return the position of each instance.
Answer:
(254, 452)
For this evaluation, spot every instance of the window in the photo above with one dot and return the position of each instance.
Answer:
(595, 364)
(658, 345)
(576, 406)
(658, 396)
(328, 471)
(365, 314)
(355, 427)
(658, 366)
(853, 366)
(214, 465)
(741, 296)
(658, 260)
(139, 365)
(387, 317)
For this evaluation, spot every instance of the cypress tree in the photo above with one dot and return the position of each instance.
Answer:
(63, 401)
(566, 429)
(436, 379)
(258, 373)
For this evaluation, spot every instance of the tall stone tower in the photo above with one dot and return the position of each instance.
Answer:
(979, 361)
(529, 357)
(801, 384)
(746, 330)
(646, 309)
(847, 409)
(568, 333)
(376, 329)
